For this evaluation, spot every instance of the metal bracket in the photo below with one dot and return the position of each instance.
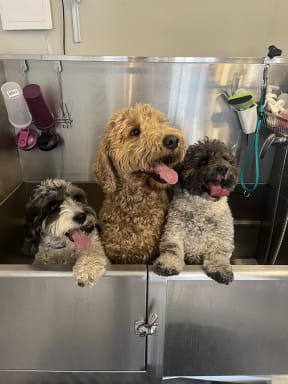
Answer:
(58, 66)
(76, 21)
(144, 329)
(24, 66)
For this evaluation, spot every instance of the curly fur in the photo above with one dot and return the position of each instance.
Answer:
(135, 202)
(52, 215)
(199, 228)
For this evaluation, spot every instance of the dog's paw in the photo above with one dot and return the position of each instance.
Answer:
(168, 265)
(87, 275)
(223, 275)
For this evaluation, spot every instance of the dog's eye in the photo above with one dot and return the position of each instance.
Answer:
(135, 131)
(203, 162)
(226, 158)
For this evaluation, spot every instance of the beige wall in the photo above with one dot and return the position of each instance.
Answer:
(221, 28)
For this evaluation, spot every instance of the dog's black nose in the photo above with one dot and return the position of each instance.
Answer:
(170, 142)
(222, 170)
(80, 217)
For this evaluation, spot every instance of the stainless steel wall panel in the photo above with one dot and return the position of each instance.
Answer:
(188, 92)
(38, 164)
(10, 170)
(12, 212)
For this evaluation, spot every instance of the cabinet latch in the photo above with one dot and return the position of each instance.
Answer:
(143, 329)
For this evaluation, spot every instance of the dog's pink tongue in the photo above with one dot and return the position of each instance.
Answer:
(167, 174)
(81, 240)
(216, 190)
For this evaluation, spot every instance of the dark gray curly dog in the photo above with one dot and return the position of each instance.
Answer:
(199, 227)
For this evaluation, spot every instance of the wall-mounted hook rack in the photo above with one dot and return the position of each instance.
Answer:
(64, 117)
(63, 114)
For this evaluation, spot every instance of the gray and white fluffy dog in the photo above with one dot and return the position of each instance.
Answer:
(60, 228)
(199, 227)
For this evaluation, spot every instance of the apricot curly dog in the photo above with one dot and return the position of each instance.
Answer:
(134, 168)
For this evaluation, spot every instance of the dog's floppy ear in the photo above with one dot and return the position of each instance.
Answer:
(104, 170)
(186, 168)
(32, 230)
(179, 169)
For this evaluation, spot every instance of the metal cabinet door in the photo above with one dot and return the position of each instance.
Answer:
(216, 330)
(48, 323)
